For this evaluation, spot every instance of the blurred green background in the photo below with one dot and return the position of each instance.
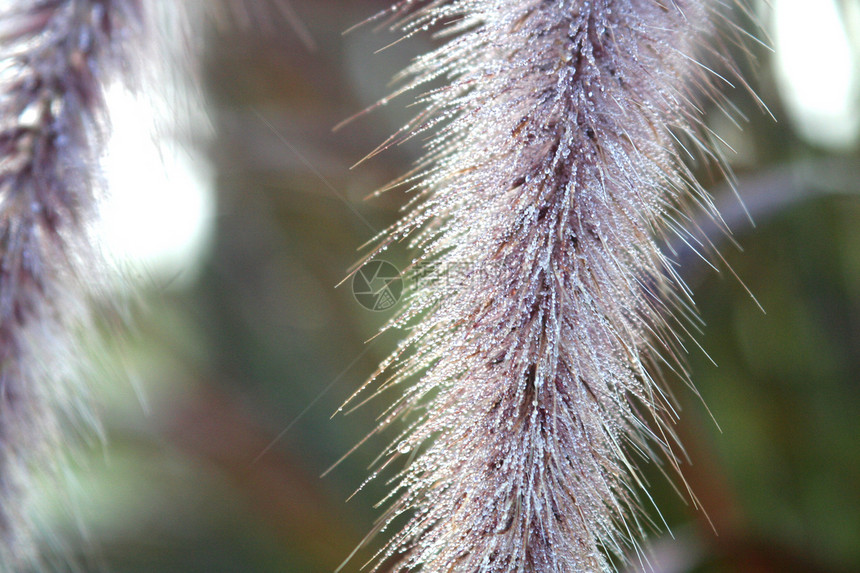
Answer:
(218, 406)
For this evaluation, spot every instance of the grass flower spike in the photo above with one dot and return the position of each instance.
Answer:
(57, 57)
(552, 178)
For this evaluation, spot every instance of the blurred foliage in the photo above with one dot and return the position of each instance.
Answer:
(218, 406)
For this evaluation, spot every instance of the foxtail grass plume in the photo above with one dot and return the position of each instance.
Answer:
(57, 59)
(530, 381)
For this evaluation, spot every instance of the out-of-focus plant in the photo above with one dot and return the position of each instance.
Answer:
(58, 58)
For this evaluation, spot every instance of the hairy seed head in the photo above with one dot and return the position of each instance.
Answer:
(56, 59)
(551, 178)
